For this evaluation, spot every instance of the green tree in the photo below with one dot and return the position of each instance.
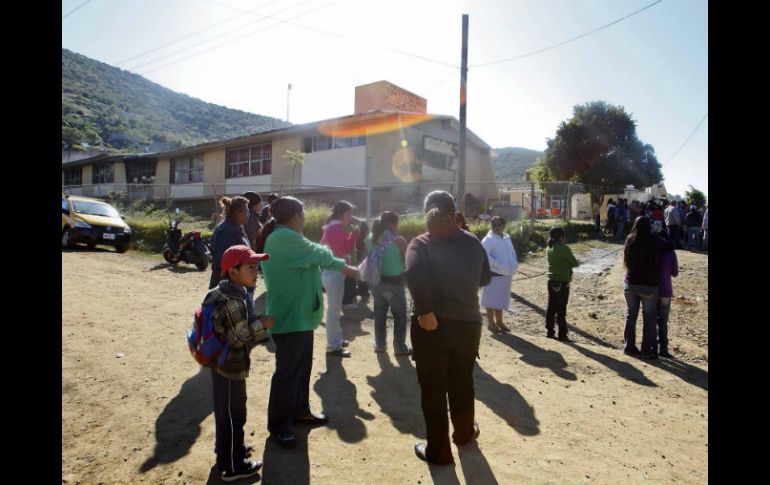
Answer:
(695, 197)
(294, 158)
(599, 146)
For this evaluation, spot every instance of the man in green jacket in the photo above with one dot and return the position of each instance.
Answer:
(295, 301)
(560, 264)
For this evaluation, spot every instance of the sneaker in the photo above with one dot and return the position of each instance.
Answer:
(649, 355)
(249, 469)
(563, 338)
(284, 440)
(339, 353)
(631, 351)
(550, 335)
(345, 343)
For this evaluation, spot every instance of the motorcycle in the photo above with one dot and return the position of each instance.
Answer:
(189, 248)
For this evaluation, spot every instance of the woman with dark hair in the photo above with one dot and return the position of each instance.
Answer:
(293, 280)
(229, 232)
(341, 241)
(386, 250)
(444, 269)
(496, 296)
(560, 264)
(641, 260)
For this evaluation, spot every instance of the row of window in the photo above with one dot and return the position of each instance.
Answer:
(245, 161)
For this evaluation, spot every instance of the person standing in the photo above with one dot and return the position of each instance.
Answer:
(640, 258)
(229, 232)
(444, 269)
(693, 222)
(673, 223)
(253, 224)
(496, 296)
(705, 227)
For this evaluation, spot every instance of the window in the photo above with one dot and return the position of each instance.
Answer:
(321, 143)
(73, 176)
(250, 161)
(187, 170)
(103, 174)
(141, 172)
(65, 206)
(94, 208)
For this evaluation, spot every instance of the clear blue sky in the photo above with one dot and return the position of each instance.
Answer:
(654, 63)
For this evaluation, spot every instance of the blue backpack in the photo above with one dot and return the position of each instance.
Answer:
(205, 345)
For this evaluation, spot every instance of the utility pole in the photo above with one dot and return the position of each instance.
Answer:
(288, 92)
(463, 103)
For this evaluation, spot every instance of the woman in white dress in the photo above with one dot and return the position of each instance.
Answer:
(496, 296)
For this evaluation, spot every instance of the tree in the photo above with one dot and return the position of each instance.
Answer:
(599, 146)
(695, 197)
(294, 158)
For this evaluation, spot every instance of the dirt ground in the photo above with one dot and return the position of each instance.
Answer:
(137, 408)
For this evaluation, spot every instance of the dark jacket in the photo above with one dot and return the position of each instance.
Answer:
(444, 275)
(226, 235)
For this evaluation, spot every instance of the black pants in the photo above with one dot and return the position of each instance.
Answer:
(558, 296)
(598, 223)
(444, 359)
(290, 387)
(229, 419)
(675, 233)
(353, 289)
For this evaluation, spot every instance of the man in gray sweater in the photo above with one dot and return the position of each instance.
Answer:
(444, 269)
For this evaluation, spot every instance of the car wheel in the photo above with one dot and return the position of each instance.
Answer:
(121, 248)
(66, 240)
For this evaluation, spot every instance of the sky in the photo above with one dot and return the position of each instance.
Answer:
(242, 54)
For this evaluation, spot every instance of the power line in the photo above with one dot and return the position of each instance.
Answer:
(179, 39)
(353, 39)
(74, 10)
(222, 34)
(566, 41)
(236, 39)
(688, 138)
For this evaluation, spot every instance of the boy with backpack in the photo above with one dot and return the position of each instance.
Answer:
(226, 331)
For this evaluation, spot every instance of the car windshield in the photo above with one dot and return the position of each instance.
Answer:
(95, 208)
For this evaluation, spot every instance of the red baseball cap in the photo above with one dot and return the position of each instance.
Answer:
(240, 254)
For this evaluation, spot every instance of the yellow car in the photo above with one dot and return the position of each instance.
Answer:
(91, 222)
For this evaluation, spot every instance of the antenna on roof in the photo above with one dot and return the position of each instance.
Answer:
(288, 92)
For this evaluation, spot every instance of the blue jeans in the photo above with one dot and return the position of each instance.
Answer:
(334, 283)
(664, 308)
(647, 298)
(393, 296)
(692, 237)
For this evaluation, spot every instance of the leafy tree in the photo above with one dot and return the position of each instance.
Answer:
(695, 197)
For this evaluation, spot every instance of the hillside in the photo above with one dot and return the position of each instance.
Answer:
(510, 163)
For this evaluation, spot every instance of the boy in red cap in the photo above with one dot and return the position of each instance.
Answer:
(235, 323)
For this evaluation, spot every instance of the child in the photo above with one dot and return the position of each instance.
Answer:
(560, 264)
(668, 267)
(235, 323)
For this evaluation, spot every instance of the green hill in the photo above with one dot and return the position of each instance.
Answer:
(510, 163)
(103, 106)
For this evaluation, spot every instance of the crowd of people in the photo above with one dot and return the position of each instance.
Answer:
(443, 270)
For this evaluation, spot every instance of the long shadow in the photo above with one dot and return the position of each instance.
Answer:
(571, 328)
(351, 324)
(396, 391)
(175, 269)
(179, 425)
(475, 466)
(688, 373)
(443, 475)
(338, 401)
(623, 369)
(537, 356)
(505, 401)
(287, 466)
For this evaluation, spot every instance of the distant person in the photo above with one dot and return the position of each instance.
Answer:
(621, 216)
(264, 218)
(560, 264)
(340, 235)
(253, 225)
(612, 224)
(657, 218)
(596, 212)
(693, 221)
(355, 289)
(705, 227)
(386, 252)
(673, 223)
(496, 296)
(229, 232)
(296, 302)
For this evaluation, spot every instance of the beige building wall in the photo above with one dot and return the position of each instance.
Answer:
(119, 173)
(162, 178)
(281, 171)
(214, 173)
(88, 171)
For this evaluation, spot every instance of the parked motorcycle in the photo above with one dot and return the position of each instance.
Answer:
(189, 248)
